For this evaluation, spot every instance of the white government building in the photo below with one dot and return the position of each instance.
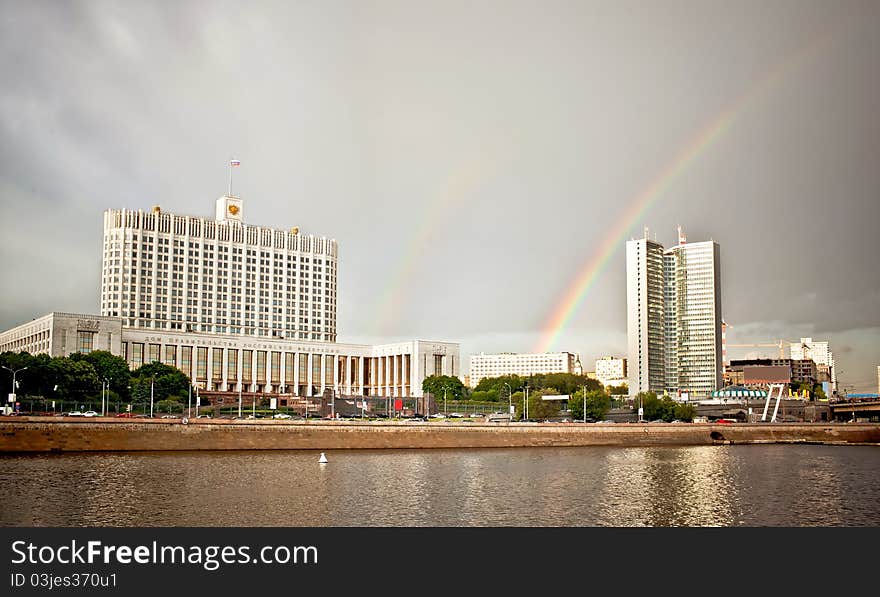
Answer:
(234, 306)
(509, 363)
(674, 317)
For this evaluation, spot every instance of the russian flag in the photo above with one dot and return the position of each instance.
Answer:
(235, 163)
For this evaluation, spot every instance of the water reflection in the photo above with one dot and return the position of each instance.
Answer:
(649, 486)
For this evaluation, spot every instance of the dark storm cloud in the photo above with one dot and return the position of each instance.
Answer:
(352, 118)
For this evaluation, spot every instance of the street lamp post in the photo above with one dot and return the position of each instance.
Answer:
(444, 400)
(239, 400)
(103, 400)
(14, 372)
(526, 403)
(152, 384)
(509, 399)
(585, 403)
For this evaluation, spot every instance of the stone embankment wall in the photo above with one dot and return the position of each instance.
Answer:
(34, 434)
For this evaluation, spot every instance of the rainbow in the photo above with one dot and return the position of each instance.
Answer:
(699, 144)
(461, 182)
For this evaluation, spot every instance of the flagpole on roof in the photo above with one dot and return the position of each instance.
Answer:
(230, 179)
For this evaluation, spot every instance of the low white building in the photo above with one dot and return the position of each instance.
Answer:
(509, 363)
(611, 371)
(231, 362)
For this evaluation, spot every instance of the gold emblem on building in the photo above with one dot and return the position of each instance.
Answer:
(233, 209)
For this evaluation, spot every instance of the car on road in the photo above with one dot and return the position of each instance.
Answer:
(281, 416)
(74, 413)
(124, 416)
(170, 417)
(90, 413)
(726, 421)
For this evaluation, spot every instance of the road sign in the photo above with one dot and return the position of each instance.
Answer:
(11, 398)
(641, 411)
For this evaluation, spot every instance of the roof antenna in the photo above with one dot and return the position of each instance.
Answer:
(681, 237)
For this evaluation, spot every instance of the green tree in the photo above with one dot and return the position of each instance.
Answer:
(484, 396)
(621, 390)
(434, 384)
(110, 367)
(597, 404)
(76, 379)
(564, 383)
(685, 412)
(538, 408)
(496, 384)
(167, 382)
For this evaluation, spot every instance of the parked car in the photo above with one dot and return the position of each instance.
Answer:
(125, 416)
(74, 413)
(281, 416)
(90, 413)
(726, 421)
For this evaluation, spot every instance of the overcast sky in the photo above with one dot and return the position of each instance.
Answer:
(469, 157)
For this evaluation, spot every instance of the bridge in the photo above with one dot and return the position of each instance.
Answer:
(853, 408)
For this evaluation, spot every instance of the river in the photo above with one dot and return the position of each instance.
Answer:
(733, 485)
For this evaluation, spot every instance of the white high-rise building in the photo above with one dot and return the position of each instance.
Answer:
(645, 331)
(674, 317)
(819, 352)
(221, 276)
(238, 308)
(509, 363)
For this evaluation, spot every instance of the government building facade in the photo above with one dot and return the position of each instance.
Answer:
(238, 308)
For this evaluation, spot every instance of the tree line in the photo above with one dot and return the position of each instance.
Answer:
(585, 394)
(81, 377)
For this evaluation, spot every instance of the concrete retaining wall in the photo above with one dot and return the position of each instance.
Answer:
(35, 434)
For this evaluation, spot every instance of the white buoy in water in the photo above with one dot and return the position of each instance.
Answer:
(322, 459)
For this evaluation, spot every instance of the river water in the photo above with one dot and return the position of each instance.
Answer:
(758, 485)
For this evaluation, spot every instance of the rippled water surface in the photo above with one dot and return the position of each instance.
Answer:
(767, 485)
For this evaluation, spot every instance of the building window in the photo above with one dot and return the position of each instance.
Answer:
(303, 369)
(170, 355)
(217, 364)
(85, 342)
(231, 364)
(289, 370)
(261, 366)
(202, 363)
(186, 360)
(328, 370)
(316, 369)
(246, 362)
(276, 368)
(153, 353)
(137, 355)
